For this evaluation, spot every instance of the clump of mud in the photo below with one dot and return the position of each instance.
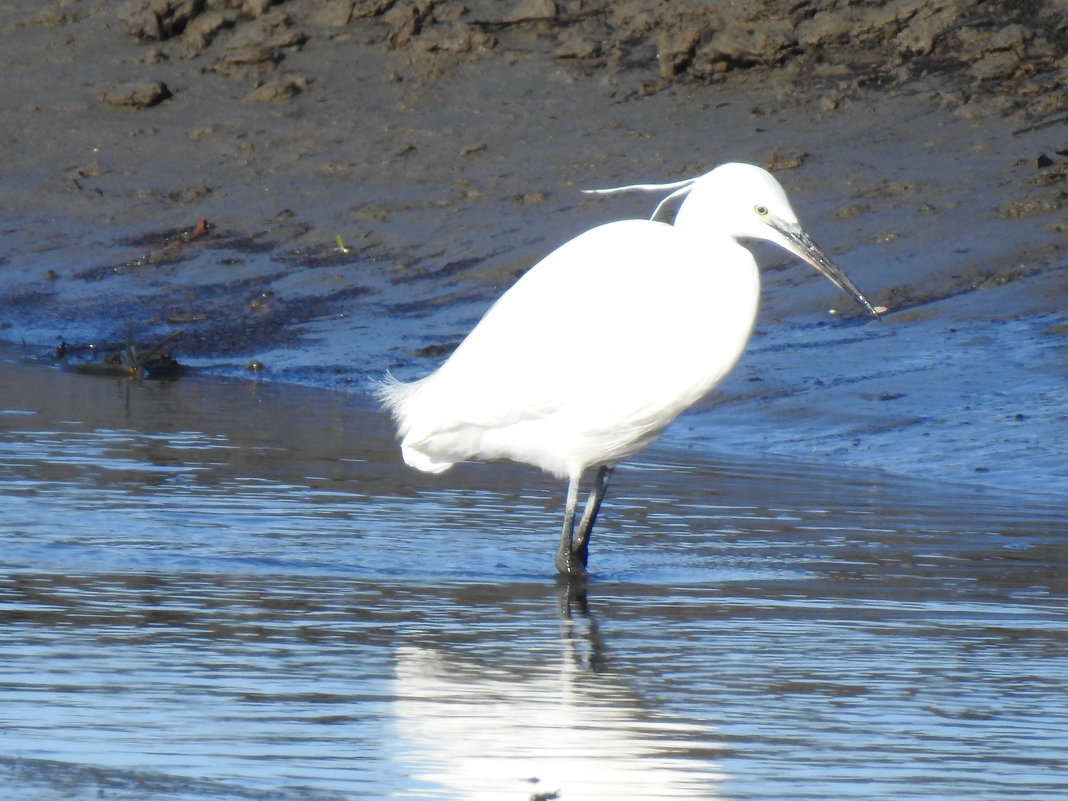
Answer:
(1009, 53)
(127, 360)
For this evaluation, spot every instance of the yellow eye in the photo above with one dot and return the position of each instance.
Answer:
(761, 210)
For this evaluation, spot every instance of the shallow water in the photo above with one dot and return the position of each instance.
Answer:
(217, 589)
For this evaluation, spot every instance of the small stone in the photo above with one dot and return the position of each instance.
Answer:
(785, 161)
(532, 9)
(285, 88)
(135, 95)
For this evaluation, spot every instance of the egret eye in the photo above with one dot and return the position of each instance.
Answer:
(761, 210)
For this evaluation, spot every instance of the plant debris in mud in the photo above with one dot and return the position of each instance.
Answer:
(129, 360)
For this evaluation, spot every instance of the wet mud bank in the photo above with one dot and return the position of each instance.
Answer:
(316, 192)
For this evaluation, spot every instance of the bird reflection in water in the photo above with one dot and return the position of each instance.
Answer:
(561, 727)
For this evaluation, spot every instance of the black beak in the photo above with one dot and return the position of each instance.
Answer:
(803, 246)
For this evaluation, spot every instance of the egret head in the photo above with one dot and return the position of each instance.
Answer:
(748, 203)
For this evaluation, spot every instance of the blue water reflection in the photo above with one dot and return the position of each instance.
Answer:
(219, 590)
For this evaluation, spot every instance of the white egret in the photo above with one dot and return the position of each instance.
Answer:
(597, 348)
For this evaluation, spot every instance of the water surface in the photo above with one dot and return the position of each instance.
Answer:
(216, 589)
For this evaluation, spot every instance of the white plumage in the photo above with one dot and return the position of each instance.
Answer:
(598, 347)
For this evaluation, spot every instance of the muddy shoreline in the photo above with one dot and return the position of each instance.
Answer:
(373, 174)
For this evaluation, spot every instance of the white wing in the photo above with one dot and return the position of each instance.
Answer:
(609, 336)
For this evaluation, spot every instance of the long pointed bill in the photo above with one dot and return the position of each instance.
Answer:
(802, 245)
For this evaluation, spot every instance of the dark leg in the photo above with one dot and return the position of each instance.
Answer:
(565, 561)
(580, 545)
